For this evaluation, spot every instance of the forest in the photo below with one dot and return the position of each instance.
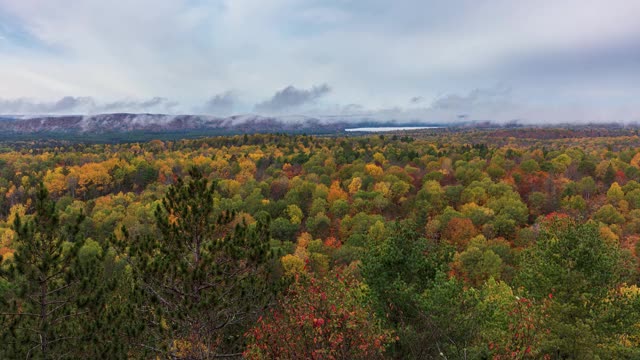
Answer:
(434, 244)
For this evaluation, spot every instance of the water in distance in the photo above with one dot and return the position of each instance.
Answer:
(390, 128)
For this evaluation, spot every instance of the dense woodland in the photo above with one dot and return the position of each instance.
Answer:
(473, 244)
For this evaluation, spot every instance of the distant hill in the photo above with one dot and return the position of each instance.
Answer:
(125, 122)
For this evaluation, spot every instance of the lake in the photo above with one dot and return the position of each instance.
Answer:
(390, 128)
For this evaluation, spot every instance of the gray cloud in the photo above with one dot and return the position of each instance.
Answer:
(155, 104)
(500, 104)
(70, 103)
(67, 104)
(477, 98)
(352, 109)
(416, 100)
(221, 104)
(291, 97)
(83, 105)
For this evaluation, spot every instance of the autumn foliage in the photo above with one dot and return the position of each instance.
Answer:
(319, 318)
(507, 243)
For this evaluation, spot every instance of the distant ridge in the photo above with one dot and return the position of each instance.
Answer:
(127, 122)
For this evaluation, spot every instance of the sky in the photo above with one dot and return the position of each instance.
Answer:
(407, 60)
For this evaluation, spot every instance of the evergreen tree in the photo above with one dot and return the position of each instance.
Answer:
(49, 288)
(202, 281)
(573, 265)
(398, 271)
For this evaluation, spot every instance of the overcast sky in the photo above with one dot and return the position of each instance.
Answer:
(536, 61)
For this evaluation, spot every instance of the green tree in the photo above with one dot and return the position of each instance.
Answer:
(451, 319)
(608, 215)
(615, 194)
(295, 214)
(511, 207)
(201, 282)
(340, 208)
(537, 202)
(52, 285)
(398, 270)
(574, 266)
(319, 225)
(587, 186)
(633, 198)
(575, 203)
(283, 229)
(478, 262)
(529, 166)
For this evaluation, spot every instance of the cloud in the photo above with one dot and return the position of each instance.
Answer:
(83, 105)
(477, 98)
(500, 104)
(495, 103)
(557, 54)
(155, 104)
(416, 100)
(352, 109)
(291, 97)
(67, 104)
(221, 104)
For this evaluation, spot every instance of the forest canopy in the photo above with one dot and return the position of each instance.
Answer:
(468, 244)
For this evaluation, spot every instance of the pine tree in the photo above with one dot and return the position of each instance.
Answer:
(49, 290)
(202, 281)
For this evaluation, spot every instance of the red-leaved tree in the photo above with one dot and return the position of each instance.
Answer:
(324, 318)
